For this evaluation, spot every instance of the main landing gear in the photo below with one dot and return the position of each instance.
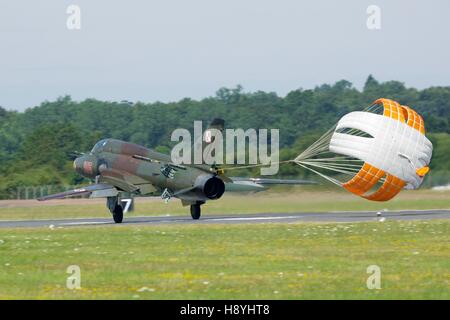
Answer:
(196, 210)
(115, 208)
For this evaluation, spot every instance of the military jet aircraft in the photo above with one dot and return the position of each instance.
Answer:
(121, 169)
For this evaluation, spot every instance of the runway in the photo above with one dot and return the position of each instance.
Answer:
(353, 216)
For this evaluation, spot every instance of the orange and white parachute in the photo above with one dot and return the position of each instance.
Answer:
(373, 153)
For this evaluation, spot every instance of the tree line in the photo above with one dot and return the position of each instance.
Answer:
(36, 145)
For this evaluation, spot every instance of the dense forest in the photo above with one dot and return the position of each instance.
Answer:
(35, 145)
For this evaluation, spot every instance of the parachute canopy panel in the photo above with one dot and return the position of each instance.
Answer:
(382, 149)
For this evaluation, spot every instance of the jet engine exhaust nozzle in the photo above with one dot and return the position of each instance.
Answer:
(211, 186)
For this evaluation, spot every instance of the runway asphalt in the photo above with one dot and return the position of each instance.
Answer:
(236, 219)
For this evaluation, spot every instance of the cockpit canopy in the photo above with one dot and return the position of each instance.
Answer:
(99, 146)
(127, 149)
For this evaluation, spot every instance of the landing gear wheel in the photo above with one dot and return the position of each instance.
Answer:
(118, 214)
(195, 211)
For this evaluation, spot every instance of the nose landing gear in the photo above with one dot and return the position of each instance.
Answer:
(117, 214)
(115, 208)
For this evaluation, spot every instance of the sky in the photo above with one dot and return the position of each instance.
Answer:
(167, 50)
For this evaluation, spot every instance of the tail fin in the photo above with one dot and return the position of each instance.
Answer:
(208, 137)
(218, 124)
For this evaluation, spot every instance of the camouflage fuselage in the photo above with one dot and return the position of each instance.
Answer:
(133, 168)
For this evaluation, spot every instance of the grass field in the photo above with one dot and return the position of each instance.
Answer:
(263, 261)
(295, 199)
(245, 261)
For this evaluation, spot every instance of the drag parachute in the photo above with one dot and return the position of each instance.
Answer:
(373, 153)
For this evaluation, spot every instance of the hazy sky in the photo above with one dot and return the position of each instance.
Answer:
(169, 49)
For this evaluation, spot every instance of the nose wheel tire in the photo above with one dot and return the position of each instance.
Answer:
(117, 214)
(195, 211)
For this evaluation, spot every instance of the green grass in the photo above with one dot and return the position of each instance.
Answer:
(299, 199)
(264, 261)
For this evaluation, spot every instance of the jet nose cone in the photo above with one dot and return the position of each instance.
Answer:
(86, 166)
(78, 164)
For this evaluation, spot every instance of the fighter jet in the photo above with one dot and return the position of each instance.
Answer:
(121, 169)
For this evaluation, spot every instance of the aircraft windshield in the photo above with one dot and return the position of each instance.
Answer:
(99, 146)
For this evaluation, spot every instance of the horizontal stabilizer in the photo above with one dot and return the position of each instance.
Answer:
(266, 181)
(239, 184)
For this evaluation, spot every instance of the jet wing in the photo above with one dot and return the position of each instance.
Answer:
(126, 181)
(101, 188)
